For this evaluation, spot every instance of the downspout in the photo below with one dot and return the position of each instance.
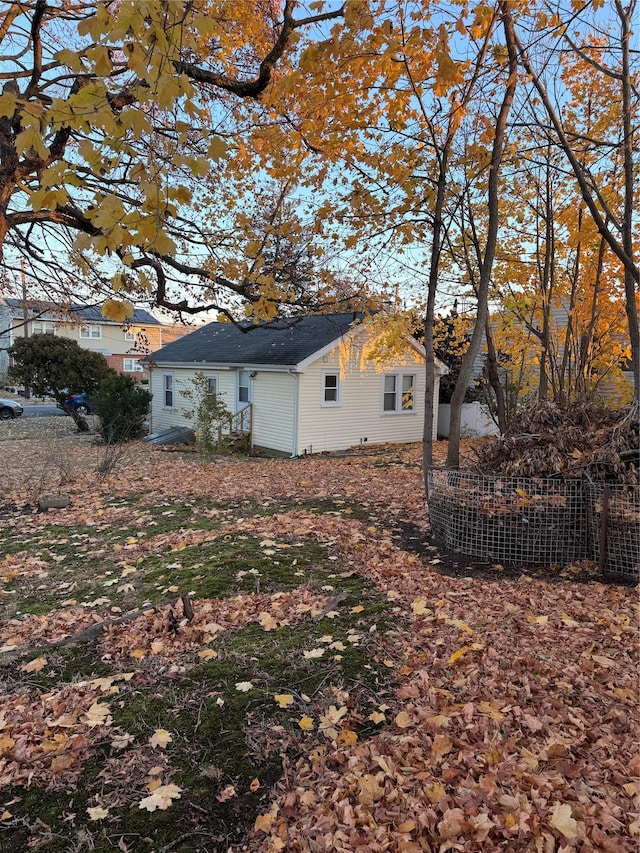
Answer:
(296, 395)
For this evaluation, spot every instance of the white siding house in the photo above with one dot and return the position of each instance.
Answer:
(310, 385)
(122, 344)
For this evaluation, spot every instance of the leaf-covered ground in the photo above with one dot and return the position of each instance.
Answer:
(244, 656)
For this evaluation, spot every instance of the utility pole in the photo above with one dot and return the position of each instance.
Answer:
(25, 318)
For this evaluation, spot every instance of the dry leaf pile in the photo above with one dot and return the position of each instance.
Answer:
(547, 440)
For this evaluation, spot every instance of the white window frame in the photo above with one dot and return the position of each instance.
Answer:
(134, 365)
(242, 403)
(331, 404)
(46, 327)
(88, 331)
(213, 383)
(399, 393)
(168, 387)
(130, 336)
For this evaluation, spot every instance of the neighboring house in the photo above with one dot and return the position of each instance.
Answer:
(309, 387)
(123, 345)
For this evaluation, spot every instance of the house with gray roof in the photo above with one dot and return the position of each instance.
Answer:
(308, 385)
(124, 345)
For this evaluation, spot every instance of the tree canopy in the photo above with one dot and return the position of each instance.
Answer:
(55, 366)
(258, 158)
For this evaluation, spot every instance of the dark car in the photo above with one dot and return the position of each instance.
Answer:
(9, 409)
(78, 403)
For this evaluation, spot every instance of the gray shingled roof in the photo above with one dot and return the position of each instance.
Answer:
(88, 313)
(225, 343)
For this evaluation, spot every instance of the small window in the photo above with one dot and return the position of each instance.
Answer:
(243, 386)
(408, 392)
(129, 335)
(40, 327)
(398, 393)
(389, 404)
(167, 387)
(212, 385)
(331, 389)
(131, 365)
(92, 331)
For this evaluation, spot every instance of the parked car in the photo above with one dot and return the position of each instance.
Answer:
(79, 403)
(9, 409)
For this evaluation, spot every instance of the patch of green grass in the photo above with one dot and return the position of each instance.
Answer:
(227, 566)
(220, 735)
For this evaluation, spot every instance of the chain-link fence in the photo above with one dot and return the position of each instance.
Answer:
(613, 514)
(535, 521)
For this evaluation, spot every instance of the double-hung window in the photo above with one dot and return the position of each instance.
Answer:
(167, 390)
(91, 331)
(331, 389)
(244, 387)
(41, 327)
(398, 392)
(131, 365)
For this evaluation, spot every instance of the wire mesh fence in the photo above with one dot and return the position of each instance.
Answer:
(536, 521)
(508, 519)
(613, 514)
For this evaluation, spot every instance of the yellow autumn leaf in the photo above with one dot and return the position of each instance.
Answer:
(311, 654)
(97, 715)
(458, 623)
(376, 717)
(562, 820)
(537, 620)
(118, 310)
(283, 699)
(347, 738)
(34, 665)
(263, 823)
(208, 654)
(267, 621)
(161, 798)
(305, 723)
(97, 813)
(457, 655)
(161, 737)
(6, 743)
(419, 607)
(370, 790)
(435, 793)
(402, 720)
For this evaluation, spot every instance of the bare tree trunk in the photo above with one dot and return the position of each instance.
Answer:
(585, 356)
(630, 281)
(453, 450)
(568, 335)
(494, 378)
(436, 247)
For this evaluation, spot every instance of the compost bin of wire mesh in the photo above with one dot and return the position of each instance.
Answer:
(517, 520)
(613, 513)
